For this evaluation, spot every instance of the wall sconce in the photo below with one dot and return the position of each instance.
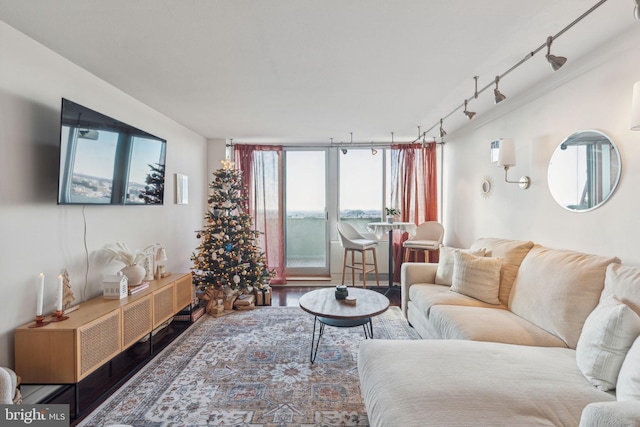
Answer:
(503, 152)
(635, 107)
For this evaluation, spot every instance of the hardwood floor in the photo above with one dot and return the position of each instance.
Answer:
(288, 295)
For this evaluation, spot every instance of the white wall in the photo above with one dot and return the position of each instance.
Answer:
(593, 93)
(37, 235)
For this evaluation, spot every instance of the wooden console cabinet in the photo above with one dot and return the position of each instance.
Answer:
(67, 352)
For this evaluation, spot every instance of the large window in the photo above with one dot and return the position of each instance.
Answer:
(361, 187)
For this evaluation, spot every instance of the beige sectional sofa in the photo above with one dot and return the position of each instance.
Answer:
(516, 334)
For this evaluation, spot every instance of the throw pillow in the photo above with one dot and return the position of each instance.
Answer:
(477, 277)
(628, 386)
(606, 337)
(444, 273)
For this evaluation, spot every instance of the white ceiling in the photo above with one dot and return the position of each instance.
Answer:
(307, 71)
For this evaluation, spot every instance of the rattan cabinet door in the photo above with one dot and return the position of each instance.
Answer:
(98, 342)
(184, 293)
(163, 301)
(137, 321)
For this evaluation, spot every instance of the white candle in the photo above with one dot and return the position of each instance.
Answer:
(59, 305)
(40, 296)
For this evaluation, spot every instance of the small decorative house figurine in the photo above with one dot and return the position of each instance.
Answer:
(115, 286)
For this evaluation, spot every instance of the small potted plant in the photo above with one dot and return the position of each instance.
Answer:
(391, 213)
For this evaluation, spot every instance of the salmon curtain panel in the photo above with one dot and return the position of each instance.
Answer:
(414, 190)
(261, 167)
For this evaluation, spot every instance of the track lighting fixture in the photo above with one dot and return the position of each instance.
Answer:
(373, 150)
(344, 150)
(556, 61)
(470, 114)
(636, 9)
(442, 131)
(499, 97)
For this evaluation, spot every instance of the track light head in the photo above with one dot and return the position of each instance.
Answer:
(344, 151)
(442, 131)
(556, 61)
(636, 9)
(373, 150)
(470, 114)
(498, 96)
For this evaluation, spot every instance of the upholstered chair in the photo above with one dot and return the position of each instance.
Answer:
(428, 237)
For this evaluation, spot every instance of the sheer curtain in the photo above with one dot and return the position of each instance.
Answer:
(261, 167)
(414, 190)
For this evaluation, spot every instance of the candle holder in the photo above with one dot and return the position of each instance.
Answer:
(39, 319)
(59, 316)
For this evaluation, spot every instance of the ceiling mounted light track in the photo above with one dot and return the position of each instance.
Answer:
(498, 96)
(556, 61)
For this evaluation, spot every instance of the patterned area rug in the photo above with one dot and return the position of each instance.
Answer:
(251, 368)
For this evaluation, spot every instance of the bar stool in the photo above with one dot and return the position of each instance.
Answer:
(428, 237)
(352, 241)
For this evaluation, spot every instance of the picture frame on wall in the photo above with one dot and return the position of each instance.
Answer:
(182, 189)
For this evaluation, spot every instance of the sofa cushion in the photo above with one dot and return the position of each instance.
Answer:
(425, 296)
(605, 340)
(512, 253)
(628, 385)
(470, 383)
(444, 274)
(488, 324)
(557, 289)
(623, 281)
(477, 277)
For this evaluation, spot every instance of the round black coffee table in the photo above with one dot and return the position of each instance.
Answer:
(328, 310)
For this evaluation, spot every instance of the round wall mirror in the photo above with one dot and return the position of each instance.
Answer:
(584, 171)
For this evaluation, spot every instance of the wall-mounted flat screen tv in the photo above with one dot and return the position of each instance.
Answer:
(104, 161)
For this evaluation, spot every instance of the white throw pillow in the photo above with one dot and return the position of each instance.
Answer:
(606, 337)
(477, 277)
(444, 273)
(628, 385)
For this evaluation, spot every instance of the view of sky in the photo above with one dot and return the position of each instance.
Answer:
(360, 180)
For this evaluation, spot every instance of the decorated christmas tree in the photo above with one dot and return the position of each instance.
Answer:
(227, 256)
